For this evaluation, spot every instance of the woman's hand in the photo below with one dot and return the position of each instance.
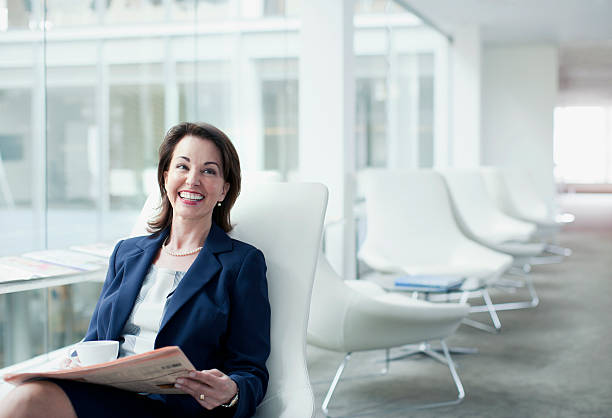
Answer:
(210, 388)
(68, 361)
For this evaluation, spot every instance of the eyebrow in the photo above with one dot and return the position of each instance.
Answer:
(206, 163)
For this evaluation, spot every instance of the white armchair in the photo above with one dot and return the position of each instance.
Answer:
(481, 220)
(357, 315)
(285, 221)
(411, 229)
(514, 194)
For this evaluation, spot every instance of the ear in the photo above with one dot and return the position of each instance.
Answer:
(226, 188)
(166, 180)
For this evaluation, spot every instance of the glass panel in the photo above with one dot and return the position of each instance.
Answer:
(142, 11)
(61, 13)
(397, 91)
(377, 6)
(20, 14)
(371, 111)
(426, 109)
(70, 309)
(205, 92)
(22, 169)
(201, 11)
(136, 123)
(72, 163)
(279, 95)
(22, 326)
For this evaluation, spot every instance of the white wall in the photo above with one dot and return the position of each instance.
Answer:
(519, 92)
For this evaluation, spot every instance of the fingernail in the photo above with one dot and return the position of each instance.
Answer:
(179, 381)
(192, 374)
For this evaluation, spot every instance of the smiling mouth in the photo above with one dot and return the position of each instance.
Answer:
(194, 197)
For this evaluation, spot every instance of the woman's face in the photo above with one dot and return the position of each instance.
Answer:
(194, 180)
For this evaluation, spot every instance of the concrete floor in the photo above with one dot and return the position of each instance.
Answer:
(550, 361)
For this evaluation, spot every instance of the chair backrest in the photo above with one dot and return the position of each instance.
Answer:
(285, 221)
(515, 195)
(409, 216)
(477, 213)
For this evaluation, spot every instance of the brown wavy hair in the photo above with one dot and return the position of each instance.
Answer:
(230, 169)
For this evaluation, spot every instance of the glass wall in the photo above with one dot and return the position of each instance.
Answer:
(87, 91)
(401, 75)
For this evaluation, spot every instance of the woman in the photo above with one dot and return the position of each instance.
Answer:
(187, 284)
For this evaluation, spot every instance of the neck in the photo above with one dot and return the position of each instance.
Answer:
(186, 235)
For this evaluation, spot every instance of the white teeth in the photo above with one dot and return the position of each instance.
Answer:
(191, 196)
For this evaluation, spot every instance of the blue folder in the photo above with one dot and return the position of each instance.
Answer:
(427, 281)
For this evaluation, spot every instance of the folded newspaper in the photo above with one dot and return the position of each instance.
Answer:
(151, 372)
(430, 281)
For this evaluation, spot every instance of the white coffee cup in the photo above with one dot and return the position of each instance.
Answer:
(95, 352)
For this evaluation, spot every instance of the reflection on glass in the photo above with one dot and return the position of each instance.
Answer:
(70, 309)
(136, 122)
(22, 326)
(280, 101)
(426, 109)
(205, 92)
(371, 111)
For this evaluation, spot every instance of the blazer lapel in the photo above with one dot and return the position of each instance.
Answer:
(135, 269)
(203, 269)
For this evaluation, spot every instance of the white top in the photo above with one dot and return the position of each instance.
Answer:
(140, 330)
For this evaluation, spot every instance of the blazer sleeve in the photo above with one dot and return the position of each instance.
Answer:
(92, 331)
(248, 339)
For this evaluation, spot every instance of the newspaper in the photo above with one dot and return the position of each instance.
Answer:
(151, 372)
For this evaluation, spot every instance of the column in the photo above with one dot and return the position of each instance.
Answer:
(327, 119)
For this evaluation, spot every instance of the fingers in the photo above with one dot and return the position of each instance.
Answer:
(195, 389)
(216, 387)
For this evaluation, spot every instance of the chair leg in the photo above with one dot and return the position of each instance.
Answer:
(446, 359)
(532, 303)
(558, 250)
(334, 383)
(487, 307)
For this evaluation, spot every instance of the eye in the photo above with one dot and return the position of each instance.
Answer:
(210, 171)
(182, 166)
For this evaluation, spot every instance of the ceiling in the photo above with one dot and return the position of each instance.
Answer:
(582, 29)
(504, 21)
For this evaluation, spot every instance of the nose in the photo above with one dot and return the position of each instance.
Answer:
(192, 178)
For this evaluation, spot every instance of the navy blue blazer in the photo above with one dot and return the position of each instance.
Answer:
(219, 314)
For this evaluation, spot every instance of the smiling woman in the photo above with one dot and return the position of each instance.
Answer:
(187, 284)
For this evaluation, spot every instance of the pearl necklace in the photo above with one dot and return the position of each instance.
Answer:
(179, 253)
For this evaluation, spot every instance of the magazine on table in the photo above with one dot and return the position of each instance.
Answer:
(430, 281)
(68, 258)
(20, 268)
(151, 372)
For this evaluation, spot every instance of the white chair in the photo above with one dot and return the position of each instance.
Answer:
(357, 315)
(515, 195)
(285, 222)
(481, 220)
(411, 229)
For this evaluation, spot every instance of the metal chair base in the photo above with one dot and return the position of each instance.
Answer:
(532, 303)
(446, 360)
